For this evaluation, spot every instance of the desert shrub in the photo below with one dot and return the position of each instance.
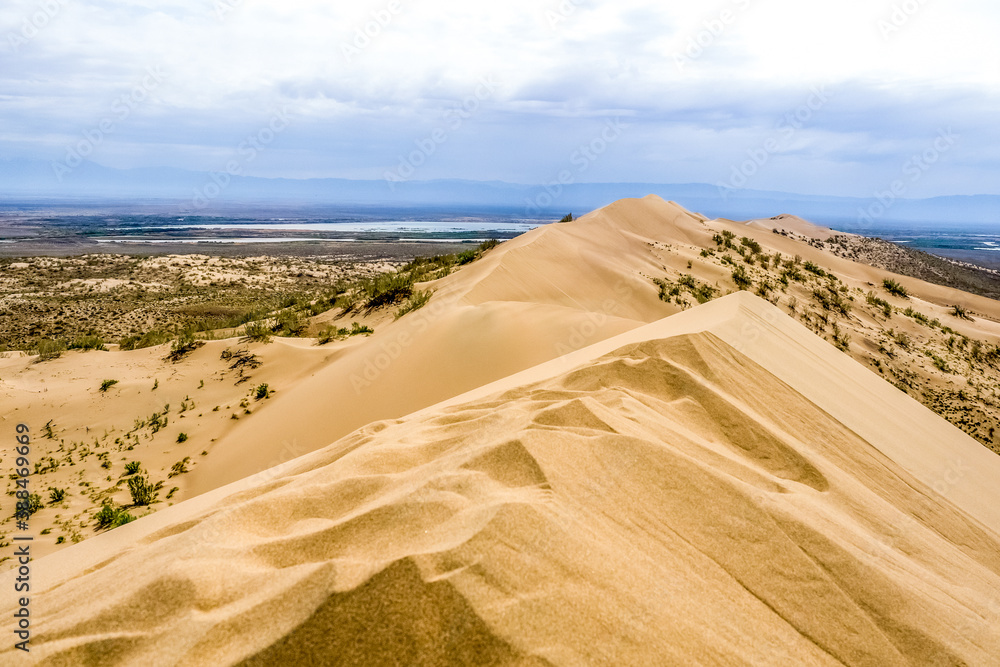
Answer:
(182, 437)
(50, 349)
(88, 342)
(830, 299)
(148, 339)
(961, 313)
(567, 218)
(261, 392)
(143, 492)
(894, 288)
(917, 315)
(179, 468)
(741, 278)
(183, 345)
(874, 300)
(110, 516)
(289, 323)
(31, 504)
(107, 384)
(57, 495)
(751, 245)
(841, 339)
(814, 269)
(132, 467)
(386, 289)
(257, 331)
(467, 256)
(330, 332)
(417, 301)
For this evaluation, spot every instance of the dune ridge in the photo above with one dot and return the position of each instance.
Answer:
(680, 493)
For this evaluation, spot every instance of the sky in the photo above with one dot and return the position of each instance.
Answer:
(836, 98)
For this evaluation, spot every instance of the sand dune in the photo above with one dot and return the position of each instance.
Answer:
(718, 487)
(535, 298)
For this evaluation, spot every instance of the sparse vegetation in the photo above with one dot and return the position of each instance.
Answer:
(418, 300)
(107, 384)
(895, 289)
(142, 491)
(961, 313)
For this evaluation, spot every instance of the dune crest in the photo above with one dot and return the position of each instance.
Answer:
(670, 495)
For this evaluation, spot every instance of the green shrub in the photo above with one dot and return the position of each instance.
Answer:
(387, 289)
(257, 331)
(57, 495)
(110, 516)
(261, 392)
(894, 288)
(567, 218)
(132, 467)
(50, 349)
(289, 323)
(143, 492)
(751, 245)
(107, 384)
(417, 301)
(182, 437)
(961, 313)
(148, 339)
(179, 468)
(874, 300)
(88, 342)
(741, 278)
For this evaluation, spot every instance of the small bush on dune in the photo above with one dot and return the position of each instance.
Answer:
(183, 345)
(50, 349)
(107, 384)
(88, 342)
(894, 288)
(741, 278)
(961, 313)
(387, 289)
(148, 339)
(110, 516)
(257, 332)
(417, 301)
(143, 492)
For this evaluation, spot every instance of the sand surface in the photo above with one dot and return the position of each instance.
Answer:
(547, 464)
(669, 500)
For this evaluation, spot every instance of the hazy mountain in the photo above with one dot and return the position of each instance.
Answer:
(30, 179)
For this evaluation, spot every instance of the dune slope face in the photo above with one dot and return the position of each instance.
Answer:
(669, 501)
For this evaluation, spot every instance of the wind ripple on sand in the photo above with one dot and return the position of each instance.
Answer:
(670, 502)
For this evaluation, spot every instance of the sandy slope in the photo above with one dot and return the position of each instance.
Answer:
(719, 487)
(535, 298)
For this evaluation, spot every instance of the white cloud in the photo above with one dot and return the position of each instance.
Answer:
(564, 66)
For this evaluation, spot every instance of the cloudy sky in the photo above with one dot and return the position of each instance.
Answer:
(837, 98)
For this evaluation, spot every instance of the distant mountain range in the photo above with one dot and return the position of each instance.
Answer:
(32, 180)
